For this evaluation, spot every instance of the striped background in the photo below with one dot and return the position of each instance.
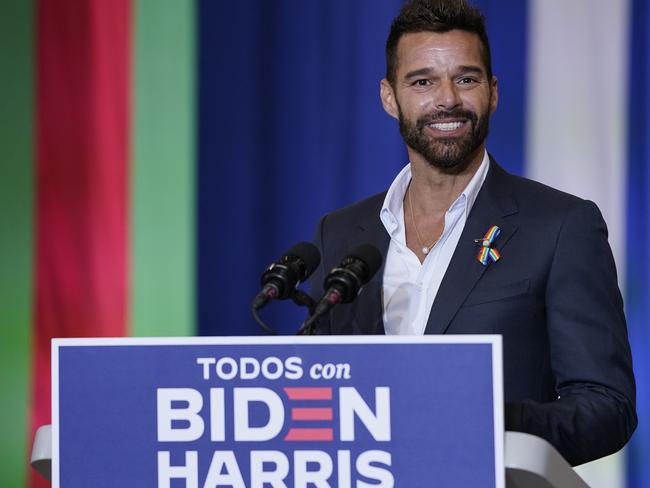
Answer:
(157, 154)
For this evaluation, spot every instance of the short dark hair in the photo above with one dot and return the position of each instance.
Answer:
(436, 16)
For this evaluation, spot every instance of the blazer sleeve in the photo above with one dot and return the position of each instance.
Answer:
(594, 414)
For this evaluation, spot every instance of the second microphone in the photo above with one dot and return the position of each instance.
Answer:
(344, 282)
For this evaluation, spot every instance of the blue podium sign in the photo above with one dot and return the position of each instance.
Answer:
(302, 412)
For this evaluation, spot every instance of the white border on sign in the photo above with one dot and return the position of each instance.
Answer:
(498, 406)
(494, 340)
(55, 414)
(325, 339)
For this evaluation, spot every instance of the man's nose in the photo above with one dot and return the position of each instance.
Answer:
(447, 96)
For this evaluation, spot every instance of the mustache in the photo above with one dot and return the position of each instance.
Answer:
(434, 117)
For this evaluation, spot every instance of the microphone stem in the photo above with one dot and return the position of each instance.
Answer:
(301, 298)
(331, 298)
(261, 323)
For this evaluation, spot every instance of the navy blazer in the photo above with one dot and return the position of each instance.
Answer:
(553, 297)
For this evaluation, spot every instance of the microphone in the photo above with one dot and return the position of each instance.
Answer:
(344, 282)
(280, 280)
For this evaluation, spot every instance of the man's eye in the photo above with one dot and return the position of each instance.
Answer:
(467, 80)
(422, 82)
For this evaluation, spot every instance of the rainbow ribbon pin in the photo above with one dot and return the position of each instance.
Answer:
(487, 252)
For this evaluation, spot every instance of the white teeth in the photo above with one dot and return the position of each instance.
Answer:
(446, 125)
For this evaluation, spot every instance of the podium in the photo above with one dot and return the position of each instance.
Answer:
(329, 411)
(530, 462)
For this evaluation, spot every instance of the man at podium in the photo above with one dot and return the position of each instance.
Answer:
(470, 249)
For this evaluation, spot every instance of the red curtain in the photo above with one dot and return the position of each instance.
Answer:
(82, 149)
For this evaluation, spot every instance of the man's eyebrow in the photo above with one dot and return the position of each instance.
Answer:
(418, 72)
(471, 69)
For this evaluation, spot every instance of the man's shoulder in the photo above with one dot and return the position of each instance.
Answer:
(529, 194)
(532, 194)
(359, 211)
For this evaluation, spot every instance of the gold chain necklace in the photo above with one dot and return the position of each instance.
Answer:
(425, 249)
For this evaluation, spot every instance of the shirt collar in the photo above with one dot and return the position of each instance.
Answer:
(391, 213)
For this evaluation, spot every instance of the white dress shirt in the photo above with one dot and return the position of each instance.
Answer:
(410, 287)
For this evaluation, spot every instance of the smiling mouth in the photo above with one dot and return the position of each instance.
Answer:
(446, 126)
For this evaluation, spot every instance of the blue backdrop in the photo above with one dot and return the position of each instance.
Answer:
(638, 237)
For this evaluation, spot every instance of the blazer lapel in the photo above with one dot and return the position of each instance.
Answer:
(368, 311)
(492, 207)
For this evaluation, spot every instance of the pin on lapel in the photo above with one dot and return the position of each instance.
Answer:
(487, 252)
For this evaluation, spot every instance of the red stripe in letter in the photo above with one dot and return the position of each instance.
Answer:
(311, 414)
(309, 393)
(310, 435)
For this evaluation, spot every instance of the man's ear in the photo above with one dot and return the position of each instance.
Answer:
(494, 94)
(388, 100)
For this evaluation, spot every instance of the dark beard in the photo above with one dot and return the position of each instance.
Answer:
(450, 155)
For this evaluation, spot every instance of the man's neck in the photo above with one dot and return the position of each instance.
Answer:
(434, 190)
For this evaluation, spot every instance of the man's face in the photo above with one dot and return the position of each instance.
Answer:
(442, 97)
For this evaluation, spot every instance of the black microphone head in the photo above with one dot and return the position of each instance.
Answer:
(294, 267)
(308, 254)
(354, 272)
(370, 256)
